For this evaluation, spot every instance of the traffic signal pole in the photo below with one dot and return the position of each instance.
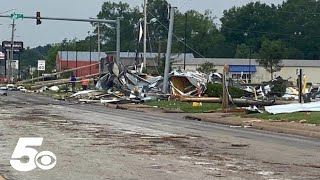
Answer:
(117, 22)
(10, 70)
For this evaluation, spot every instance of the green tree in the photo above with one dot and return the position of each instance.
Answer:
(202, 35)
(243, 51)
(303, 27)
(207, 68)
(129, 25)
(271, 55)
(248, 23)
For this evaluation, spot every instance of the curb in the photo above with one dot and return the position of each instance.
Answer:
(224, 121)
(142, 109)
(218, 121)
(291, 131)
(260, 126)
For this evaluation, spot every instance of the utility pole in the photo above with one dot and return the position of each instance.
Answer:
(225, 95)
(10, 71)
(159, 52)
(90, 49)
(168, 54)
(300, 85)
(185, 41)
(249, 76)
(145, 36)
(99, 48)
(118, 41)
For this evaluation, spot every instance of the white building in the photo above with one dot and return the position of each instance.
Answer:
(250, 71)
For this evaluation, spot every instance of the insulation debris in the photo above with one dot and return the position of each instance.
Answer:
(296, 107)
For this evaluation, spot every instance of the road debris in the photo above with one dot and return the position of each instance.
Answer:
(3, 93)
(188, 83)
(253, 109)
(296, 107)
(129, 84)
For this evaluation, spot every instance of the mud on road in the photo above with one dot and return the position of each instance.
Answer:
(86, 149)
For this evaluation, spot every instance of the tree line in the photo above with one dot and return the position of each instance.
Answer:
(256, 30)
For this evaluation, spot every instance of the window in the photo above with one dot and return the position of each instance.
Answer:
(246, 77)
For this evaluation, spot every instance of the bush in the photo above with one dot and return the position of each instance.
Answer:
(278, 90)
(216, 90)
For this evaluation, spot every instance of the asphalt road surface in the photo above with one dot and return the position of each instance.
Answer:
(96, 142)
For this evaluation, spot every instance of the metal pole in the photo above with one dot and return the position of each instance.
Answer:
(76, 60)
(99, 48)
(300, 86)
(168, 54)
(6, 63)
(185, 41)
(145, 35)
(90, 48)
(19, 73)
(249, 79)
(66, 19)
(11, 52)
(118, 42)
(159, 52)
(67, 59)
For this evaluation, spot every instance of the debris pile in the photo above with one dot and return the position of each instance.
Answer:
(296, 107)
(188, 83)
(130, 85)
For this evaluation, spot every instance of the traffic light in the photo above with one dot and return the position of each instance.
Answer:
(38, 18)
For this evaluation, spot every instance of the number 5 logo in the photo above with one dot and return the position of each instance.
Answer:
(21, 150)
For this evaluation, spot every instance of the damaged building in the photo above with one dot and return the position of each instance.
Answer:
(250, 71)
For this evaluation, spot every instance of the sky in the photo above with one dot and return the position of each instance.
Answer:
(55, 31)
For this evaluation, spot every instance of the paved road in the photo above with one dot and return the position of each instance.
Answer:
(95, 142)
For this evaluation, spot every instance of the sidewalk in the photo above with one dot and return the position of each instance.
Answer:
(233, 120)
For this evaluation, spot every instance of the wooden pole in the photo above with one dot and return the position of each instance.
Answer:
(225, 96)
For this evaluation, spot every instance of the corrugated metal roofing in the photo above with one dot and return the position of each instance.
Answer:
(80, 56)
(85, 56)
(242, 68)
(235, 61)
(155, 55)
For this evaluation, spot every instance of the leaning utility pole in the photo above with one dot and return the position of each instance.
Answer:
(99, 48)
(168, 54)
(10, 71)
(145, 36)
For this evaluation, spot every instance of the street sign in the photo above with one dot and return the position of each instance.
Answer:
(41, 65)
(2, 56)
(14, 64)
(16, 16)
(17, 46)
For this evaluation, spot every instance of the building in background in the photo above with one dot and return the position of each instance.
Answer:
(251, 72)
(72, 59)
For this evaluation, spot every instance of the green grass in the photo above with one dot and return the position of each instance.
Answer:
(185, 106)
(310, 117)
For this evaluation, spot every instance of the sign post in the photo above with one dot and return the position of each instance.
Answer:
(41, 66)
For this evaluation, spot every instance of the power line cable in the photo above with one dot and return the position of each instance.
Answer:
(183, 4)
(263, 32)
(179, 39)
